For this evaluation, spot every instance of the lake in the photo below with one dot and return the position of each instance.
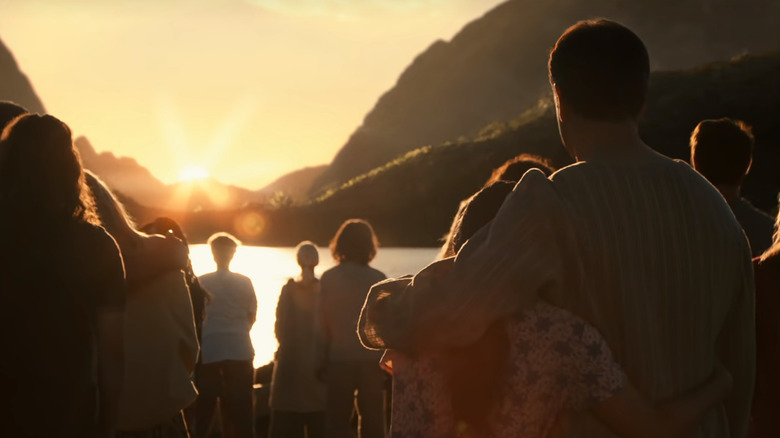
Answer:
(269, 269)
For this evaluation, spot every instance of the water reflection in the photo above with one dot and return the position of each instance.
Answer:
(269, 269)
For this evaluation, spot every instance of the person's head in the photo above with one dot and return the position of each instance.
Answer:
(722, 150)
(307, 255)
(223, 248)
(112, 213)
(9, 111)
(480, 209)
(354, 242)
(599, 71)
(514, 168)
(41, 179)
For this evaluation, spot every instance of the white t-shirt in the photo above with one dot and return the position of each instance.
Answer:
(227, 324)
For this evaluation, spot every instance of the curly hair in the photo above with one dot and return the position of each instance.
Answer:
(41, 177)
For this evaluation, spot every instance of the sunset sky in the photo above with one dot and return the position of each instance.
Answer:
(244, 90)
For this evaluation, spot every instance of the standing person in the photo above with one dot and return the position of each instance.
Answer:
(764, 422)
(63, 290)
(161, 346)
(526, 369)
(345, 365)
(166, 226)
(643, 248)
(297, 396)
(722, 151)
(226, 370)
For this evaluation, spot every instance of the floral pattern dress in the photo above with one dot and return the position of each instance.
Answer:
(559, 362)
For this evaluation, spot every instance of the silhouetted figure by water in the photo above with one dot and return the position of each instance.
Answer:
(343, 363)
(640, 246)
(297, 396)
(722, 151)
(226, 370)
(525, 370)
(63, 290)
(766, 403)
(161, 345)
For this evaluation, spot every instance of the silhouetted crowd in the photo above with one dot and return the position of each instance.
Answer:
(628, 294)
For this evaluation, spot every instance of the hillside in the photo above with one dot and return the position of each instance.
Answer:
(494, 68)
(294, 185)
(14, 85)
(411, 200)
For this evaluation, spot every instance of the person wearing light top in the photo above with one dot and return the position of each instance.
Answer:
(226, 350)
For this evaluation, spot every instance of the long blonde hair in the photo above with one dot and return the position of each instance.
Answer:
(112, 214)
(775, 248)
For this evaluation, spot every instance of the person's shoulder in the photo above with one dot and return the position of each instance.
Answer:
(205, 278)
(90, 234)
(94, 242)
(332, 272)
(377, 273)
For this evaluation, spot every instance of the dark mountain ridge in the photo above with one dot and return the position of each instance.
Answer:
(494, 68)
(14, 84)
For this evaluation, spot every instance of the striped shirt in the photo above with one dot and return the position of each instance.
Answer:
(667, 281)
(642, 247)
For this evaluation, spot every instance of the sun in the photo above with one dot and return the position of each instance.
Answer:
(193, 173)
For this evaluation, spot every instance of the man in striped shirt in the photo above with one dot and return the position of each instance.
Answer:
(642, 246)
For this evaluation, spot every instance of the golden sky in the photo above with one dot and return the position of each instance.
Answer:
(247, 90)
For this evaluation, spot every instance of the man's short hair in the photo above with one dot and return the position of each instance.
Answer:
(223, 240)
(601, 69)
(722, 150)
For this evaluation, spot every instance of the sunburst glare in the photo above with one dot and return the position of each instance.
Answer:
(192, 173)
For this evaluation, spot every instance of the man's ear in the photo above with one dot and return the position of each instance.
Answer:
(560, 108)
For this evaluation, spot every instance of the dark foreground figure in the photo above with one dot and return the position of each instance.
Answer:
(640, 246)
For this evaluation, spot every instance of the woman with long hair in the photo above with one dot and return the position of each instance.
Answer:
(344, 364)
(297, 397)
(763, 421)
(525, 370)
(161, 346)
(63, 290)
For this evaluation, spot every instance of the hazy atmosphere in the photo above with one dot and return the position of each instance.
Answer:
(242, 90)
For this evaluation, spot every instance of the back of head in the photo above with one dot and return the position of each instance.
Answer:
(479, 211)
(601, 70)
(514, 168)
(41, 178)
(9, 111)
(355, 242)
(112, 213)
(722, 150)
(307, 254)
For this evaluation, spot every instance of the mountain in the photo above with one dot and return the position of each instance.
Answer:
(495, 67)
(123, 174)
(296, 184)
(411, 200)
(14, 85)
(126, 176)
